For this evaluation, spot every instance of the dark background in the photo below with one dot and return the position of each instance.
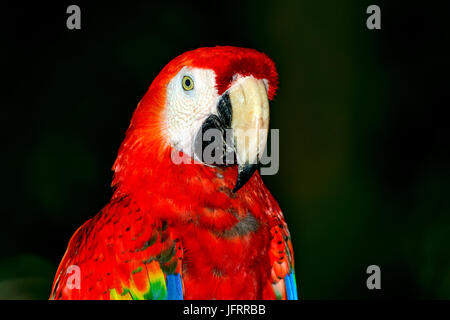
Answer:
(364, 175)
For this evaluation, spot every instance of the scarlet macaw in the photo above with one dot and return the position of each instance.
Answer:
(182, 230)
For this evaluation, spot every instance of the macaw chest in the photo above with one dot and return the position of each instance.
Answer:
(215, 266)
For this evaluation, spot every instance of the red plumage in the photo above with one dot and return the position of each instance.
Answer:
(225, 245)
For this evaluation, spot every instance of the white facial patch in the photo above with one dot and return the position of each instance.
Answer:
(186, 110)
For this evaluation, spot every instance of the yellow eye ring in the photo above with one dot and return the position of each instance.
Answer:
(188, 83)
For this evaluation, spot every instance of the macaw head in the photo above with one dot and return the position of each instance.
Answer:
(217, 97)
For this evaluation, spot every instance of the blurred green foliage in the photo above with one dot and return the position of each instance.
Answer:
(363, 177)
(25, 277)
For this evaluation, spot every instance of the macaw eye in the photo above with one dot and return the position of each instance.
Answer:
(188, 83)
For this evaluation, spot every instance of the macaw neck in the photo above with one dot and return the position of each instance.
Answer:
(140, 172)
(145, 172)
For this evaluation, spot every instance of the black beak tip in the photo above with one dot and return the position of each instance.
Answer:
(245, 172)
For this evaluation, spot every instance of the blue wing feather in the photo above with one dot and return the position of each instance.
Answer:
(174, 287)
(291, 286)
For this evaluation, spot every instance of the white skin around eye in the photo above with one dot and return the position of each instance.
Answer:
(186, 110)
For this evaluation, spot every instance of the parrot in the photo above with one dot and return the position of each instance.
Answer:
(194, 229)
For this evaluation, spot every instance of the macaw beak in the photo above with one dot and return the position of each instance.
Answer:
(249, 124)
(244, 110)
